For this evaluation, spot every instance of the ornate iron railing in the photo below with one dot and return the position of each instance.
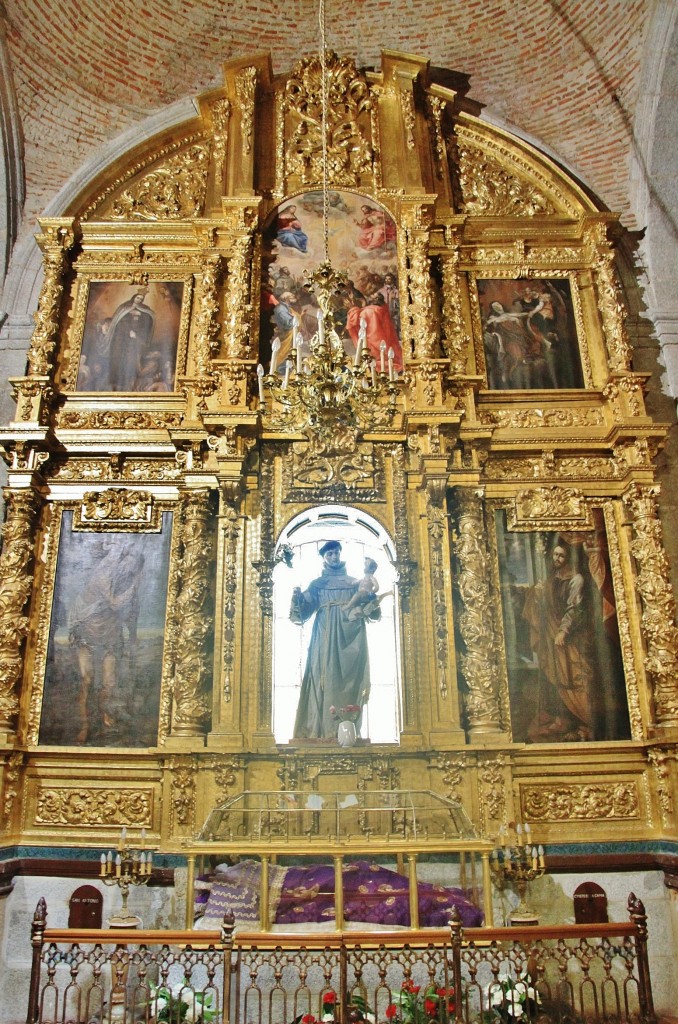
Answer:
(568, 974)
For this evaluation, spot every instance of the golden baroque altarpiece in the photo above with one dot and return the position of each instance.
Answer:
(494, 450)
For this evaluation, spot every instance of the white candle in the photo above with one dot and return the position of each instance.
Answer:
(103, 865)
(275, 348)
(541, 856)
(118, 866)
(286, 378)
(373, 370)
(298, 354)
(358, 351)
(321, 327)
(382, 357)
(149, 862)
(260, 382)
(391, 368)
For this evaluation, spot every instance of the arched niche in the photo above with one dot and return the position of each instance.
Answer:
(297, 547)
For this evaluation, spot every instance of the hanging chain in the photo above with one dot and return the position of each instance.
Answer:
(323, 101)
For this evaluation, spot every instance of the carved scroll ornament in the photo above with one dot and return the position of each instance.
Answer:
(173, 191)
(490, 189)
(349, 154)
(117, 507)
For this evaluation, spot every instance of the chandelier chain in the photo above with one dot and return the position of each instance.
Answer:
(323, 111)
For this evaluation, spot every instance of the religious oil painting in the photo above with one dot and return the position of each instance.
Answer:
(565, 671)
(130, 337)
(362, 243)
(529, 334)
(105, 648)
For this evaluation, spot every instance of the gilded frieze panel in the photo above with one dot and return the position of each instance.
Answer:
(79, 806)
(586, 801)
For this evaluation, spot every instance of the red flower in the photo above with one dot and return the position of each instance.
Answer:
(409, 986)
(330, 998)
(431, 1007)
(308, 1018)
(391, 1011)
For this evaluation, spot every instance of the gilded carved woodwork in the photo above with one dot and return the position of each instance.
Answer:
(356, 475)
(206, 339)
(193, 618)
(11, 787)
(586, 801)
(552, 507)
(231, 527)
(548, 458)
(660, 759)
(610, 301)
(245, 90)
(659, 609)
(436, 513)
(456, 340)
(220, 112)
(16, 581)
(238, 302)
(56, 240)
(115, 509)
(349, 153)
(172, 191)
(489, 188)
(78, 806)
(421, 292)
(475, 621)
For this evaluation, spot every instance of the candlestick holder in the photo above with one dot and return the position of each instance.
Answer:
(129, 866)
(516, 863)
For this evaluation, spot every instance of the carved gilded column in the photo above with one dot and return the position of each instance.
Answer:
(238, 306)
(436, 514)
(55, 240)
(207, 319)
(456, 341)
(658, 620)
(476, 621)
(421, 293)
(193, 617)
(610, 302)
(221, 116)
(16, 581)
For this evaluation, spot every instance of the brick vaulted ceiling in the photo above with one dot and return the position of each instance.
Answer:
(566, 73)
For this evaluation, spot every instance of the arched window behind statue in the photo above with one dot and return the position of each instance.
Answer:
(348, 632)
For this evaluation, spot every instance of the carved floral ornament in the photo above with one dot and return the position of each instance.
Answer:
(349, 153)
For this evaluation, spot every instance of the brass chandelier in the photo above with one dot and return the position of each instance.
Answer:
(330, 395)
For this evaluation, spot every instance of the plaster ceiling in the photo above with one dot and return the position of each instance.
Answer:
(566, 73)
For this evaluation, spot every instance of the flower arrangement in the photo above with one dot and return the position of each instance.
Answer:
(349, 713)
(181, 1005)
(511, 1001)
(413, 1006)
(357, 1011)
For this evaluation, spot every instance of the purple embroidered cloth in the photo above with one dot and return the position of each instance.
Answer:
(372, 894)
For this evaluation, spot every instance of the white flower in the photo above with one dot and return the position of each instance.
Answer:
(327, 1016)
(180, 991)
(193, 1012)
(497, 996)
(157, 1005)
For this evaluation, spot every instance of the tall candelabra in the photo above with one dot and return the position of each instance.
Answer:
(516, 863)
(128, 866)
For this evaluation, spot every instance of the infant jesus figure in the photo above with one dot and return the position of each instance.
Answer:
(364, 602)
